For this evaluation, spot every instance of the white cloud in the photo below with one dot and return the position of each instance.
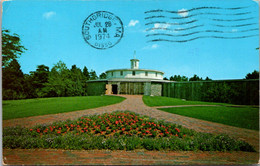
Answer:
(234, 30)
(132, 23)
(157, 25)
(183, 12)
(154, 46)
(48, 15)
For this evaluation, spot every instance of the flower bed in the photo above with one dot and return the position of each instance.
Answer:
(118, 130)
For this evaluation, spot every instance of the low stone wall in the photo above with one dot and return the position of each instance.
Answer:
(156, 89)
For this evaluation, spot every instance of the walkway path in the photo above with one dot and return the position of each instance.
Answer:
(134, 103)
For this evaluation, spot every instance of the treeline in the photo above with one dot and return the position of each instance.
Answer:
(184, 78)
(58, 81)
(253, 75)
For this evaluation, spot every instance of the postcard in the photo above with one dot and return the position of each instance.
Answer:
(130, 82)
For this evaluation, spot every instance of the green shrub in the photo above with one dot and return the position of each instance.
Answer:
(75, 137)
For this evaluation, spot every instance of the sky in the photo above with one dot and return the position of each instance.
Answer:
(214, 38)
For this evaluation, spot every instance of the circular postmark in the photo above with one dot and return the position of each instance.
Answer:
(102, 30)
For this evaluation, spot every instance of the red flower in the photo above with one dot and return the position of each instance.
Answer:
(177, 130)
(31, 129)
(116, 122)
(176, 135)
(148, 131)
(123, 129)
(114, 131)
(58, 132)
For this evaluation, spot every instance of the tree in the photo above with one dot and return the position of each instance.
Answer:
(86, 73)
(40, 76)
(253, 75)
(195, 78)
(77, 80)
(103, 76)
(11, 47)
(39, 79)
(93, 75)
(58, 80)
(13, 81)
(208, 79)
(178, 78)
(165, 78)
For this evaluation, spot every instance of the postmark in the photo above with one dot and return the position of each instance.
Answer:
(102, 30)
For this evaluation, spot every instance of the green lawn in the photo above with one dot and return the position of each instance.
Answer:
(244, 117)
(33, 107)
(168, 101)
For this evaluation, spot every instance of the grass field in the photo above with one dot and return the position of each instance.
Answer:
(42, 106)
(244, 117)
(167, 101)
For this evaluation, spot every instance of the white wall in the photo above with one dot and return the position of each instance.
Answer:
(138, 74)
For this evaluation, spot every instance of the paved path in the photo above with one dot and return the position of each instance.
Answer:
(134, 103)
(140, 157)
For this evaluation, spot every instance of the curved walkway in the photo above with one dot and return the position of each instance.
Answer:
(134, 103)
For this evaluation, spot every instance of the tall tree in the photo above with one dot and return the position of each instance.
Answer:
(13, 81)
(93, 75)
(58, 80)
(11, 47)
(40, 76)
(253, 75)
(86, 73)
(77, 86)
(39, 80)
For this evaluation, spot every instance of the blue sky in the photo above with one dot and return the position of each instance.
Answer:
(51, 31)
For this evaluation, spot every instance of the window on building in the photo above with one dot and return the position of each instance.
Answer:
(121, 73)
(112, 73)
(155, 74)
(135, 64)
(146, 73)
(133, 73)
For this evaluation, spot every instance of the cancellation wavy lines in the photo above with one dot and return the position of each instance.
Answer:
(193, 15)
(199, 37)
(194, 9)
(170, 29)
(169, 23)
(240, 25)
(230, 20)
(197, 32)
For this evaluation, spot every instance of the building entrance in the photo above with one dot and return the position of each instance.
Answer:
(114, 89)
